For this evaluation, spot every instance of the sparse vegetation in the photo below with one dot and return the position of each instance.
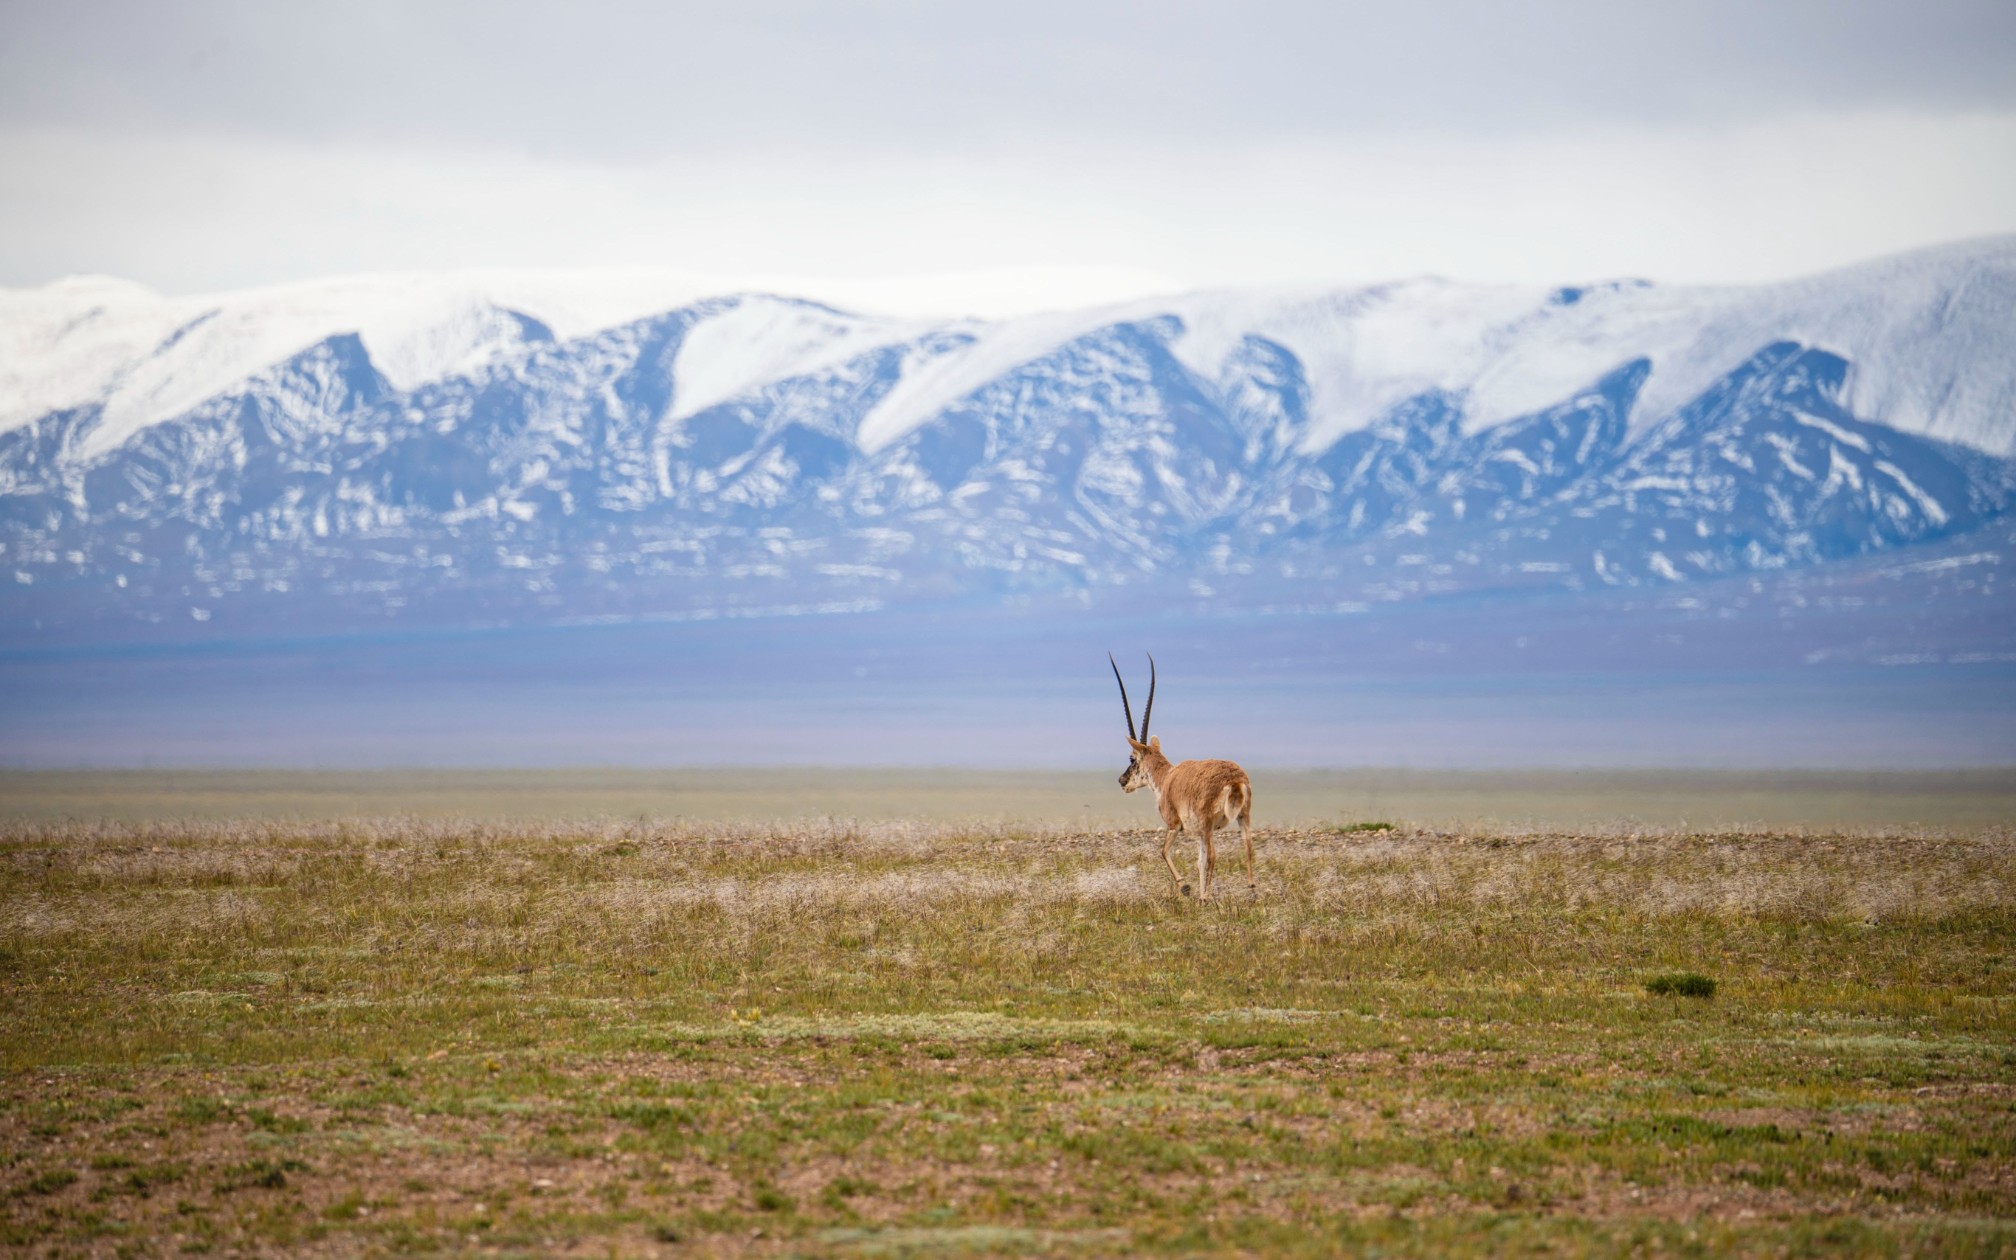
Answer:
(860, 1038)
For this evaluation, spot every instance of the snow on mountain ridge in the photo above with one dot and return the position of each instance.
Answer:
(1366, 351)
(758, 339)
(145, 357)
(416, 329)
(1927, 335)
(68, 343)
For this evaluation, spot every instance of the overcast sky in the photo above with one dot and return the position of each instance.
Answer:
(196, 145)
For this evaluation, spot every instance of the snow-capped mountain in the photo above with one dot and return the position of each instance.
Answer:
(458, 450)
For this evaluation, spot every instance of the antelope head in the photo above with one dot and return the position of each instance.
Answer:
(1144, 750)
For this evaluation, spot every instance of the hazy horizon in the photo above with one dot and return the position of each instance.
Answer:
(891, 691)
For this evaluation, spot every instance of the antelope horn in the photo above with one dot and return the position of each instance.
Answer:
(1147, 710)
(1123, 694)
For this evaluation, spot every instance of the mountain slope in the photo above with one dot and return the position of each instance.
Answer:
(432, 455)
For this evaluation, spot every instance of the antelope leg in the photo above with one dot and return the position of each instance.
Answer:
(1168, 838)
(1246, 832)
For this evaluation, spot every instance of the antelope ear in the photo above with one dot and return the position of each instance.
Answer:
(1136, 745)
(1155, 742)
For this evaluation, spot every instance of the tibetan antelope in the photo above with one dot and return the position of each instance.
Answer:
(1202, 795)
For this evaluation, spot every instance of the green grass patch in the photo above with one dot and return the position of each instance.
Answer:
(1681, 984)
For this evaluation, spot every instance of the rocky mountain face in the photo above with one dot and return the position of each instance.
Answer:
(755, 453)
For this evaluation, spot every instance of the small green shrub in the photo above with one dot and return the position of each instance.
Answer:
(259, 1174)
(1681, 984)
(263, 1118)
(1346, 829)
(202, 1110)
(347, 1208)
(50, 1182)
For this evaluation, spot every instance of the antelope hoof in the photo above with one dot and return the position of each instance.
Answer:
(1184, 889)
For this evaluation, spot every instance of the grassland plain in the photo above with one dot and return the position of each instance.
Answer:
(340, 1035)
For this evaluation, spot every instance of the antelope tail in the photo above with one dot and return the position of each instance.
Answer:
(1235, 800)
